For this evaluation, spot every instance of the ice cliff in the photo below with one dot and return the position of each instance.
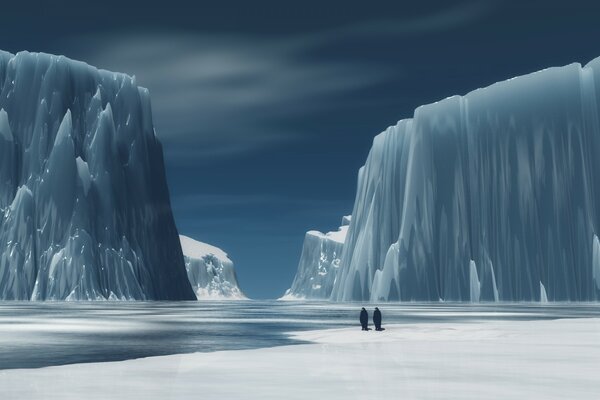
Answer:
(319, 264)
(487, 197)
(210, 271)
(84, 204)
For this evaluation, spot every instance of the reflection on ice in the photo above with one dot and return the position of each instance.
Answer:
(55, 333)
(491, 359)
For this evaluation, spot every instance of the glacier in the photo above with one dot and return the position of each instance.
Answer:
(319, 264)
(491, 196)
(210, 271)
(84, 205)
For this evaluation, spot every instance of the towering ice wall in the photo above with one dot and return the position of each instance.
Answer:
(84, 204)
(491, 196)
(210, 271)
(319, 264)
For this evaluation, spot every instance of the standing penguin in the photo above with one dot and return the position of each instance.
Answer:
(377, 319)
(364, 319)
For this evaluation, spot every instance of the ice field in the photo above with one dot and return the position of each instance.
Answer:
(250, 349)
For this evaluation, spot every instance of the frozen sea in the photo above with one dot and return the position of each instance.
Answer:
(40, 334)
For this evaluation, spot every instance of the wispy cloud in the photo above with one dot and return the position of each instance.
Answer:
(215, 95)
(443, 19)
(218, 95)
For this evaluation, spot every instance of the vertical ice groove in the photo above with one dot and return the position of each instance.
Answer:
(474, 282)
(8, 162)
(543, 295)
(505, 180)
(5, 131)
(596, 262)
(84, 174)
(76, 223)
(17, 261)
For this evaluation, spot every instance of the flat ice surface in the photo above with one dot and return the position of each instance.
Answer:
(40, 334)
(541, 359)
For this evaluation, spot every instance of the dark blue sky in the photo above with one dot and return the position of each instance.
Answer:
(266, 110)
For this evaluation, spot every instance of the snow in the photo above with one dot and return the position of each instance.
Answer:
(318, 265)
(544, 359)
(338, 236)
(85, 203)
(503, 179)
(195, 249)
(210, 271)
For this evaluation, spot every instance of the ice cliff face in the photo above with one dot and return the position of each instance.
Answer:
(491, 196)
(84, 204)
(319, 264)
(210, 271)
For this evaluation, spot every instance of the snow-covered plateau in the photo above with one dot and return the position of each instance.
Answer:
(84, 205)
(543, 359)
(319, 264)
(210, 271)
(492, 196)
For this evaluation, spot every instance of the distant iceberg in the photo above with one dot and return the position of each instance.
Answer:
(493, 196)
(319, 264)
(210, 271)
(84, 205)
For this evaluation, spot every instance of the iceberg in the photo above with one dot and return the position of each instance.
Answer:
(491, 196)
(84, 205)
(319, 264)
(210, 271)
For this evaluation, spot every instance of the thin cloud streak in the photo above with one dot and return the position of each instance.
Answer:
(222, 95)
(445, 19)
